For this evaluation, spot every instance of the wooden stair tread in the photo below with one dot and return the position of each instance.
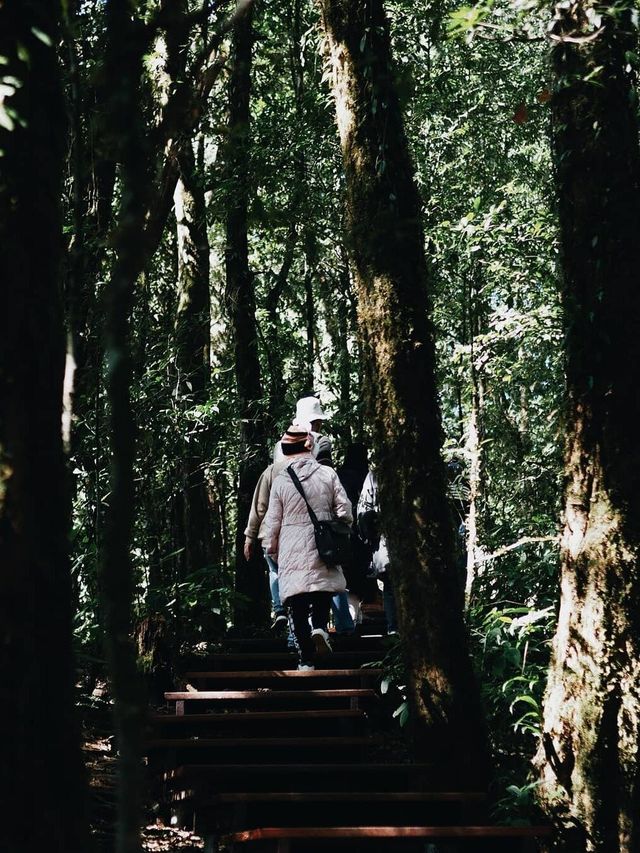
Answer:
(265, 741)
(257, 675)
(351, 796)
(266, 693)
(258, 716)
(363, 642)
(280, 742)
(284, 655)
(186, 770)
(265, 833)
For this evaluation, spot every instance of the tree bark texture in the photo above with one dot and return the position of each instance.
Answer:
(386, 243)
(588, 760)
(193, 317)
(41, 776)
(240, 298)
(123, 69)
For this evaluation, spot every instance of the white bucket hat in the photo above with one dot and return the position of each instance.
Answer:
(308, 409)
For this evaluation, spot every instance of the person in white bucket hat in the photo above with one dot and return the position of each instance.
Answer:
(309, 414)
(309, 410)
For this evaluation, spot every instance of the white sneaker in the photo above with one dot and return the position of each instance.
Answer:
(305, 667)
(321, 641)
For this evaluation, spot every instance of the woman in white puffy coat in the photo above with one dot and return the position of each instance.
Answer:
(307, 584)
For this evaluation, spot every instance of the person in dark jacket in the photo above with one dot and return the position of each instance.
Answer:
(361, 588)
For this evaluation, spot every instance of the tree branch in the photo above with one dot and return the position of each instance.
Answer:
(525, 540)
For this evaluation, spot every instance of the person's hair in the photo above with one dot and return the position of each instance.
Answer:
(296, 440)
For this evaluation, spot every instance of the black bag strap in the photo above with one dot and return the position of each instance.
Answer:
(298, 485)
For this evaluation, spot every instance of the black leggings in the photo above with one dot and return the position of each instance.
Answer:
(298, 609)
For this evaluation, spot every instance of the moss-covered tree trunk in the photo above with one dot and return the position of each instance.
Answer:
(41, 776)
(240, 298)
(386, 242)
(588, 760)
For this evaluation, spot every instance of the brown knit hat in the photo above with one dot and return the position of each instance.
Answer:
(296, 439)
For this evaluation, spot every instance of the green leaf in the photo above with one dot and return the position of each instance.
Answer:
(42, 36)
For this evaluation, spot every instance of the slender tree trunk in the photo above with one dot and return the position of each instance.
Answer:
(240, 297)
(588, 760)
(41, 749)
(310, 318)
(387, 251)
(123, 68)
(193, 318)
(474, 523)
(276, 381)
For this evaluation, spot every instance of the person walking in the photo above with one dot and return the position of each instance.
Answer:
(254, 533)
(311, 416)
(306, 583)
(360, 586)
(369, 526)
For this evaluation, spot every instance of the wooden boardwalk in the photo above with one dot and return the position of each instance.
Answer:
(257, 756)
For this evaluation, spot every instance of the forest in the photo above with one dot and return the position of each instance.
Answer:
(427, 216)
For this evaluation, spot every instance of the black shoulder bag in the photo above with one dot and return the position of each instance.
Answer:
(333, 538)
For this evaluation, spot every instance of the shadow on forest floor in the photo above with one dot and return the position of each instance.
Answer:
(101, 764)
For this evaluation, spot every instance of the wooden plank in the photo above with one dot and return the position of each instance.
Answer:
(255, 742)
(258, 716)
(257, 675)
(265, 693)
(241, 657)
(365, 768)
(396, 832)
(352, 796)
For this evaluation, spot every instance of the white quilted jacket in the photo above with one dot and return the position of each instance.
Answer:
(288, 531)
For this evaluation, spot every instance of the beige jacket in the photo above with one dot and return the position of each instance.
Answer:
(288, 531)
(260, 501)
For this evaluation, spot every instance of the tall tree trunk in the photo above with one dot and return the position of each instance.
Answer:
(35, 612)
(193, 318)
(240, 297)
(588, 760)
(123, 68)
(387, 250)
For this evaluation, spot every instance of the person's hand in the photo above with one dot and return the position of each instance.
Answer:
(248, 549)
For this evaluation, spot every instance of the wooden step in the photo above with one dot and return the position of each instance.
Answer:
(253, 743)
(254, 723)
(282, 838)
(233, 811)
(201, 778)
(351, 796)
(340, 642)
(353, 696)
(262, 660)
(277, 678)
(392, 832)
(277, 674)
(255, 717)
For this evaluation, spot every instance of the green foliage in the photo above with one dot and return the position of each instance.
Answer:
(473, 82)
(511, 646)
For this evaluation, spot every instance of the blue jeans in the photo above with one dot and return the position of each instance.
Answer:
(342, 618)
(277, 605)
